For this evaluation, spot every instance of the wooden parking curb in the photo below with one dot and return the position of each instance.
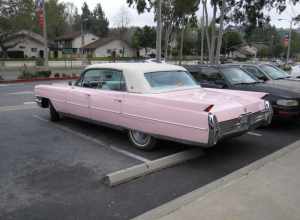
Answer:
(125, 175)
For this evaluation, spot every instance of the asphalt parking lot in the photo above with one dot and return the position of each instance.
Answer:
(56, 170)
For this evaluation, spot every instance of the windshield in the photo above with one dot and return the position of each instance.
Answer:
(274, 72)
(170, 80)
(237, 76)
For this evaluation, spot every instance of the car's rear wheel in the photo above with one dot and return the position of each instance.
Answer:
(141, 140)
(54, 115)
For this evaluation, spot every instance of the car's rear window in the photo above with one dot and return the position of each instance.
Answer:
(170, 79)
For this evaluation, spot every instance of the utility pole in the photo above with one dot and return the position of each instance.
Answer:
(158, 32)
(202, 35)
(45, 38)
(82, 38)
(289, 44)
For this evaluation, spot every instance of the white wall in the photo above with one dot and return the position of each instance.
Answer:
(88, 38)
(115, 45)
(25, 45)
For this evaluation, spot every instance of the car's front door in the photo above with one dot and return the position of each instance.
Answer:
(106, 100)
(78, 100)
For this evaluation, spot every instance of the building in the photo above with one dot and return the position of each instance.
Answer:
(26, 44)
(109, 46)
(71, 43)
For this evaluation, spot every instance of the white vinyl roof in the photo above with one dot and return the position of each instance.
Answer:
(134, 73)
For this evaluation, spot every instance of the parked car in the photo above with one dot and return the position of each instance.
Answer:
(295, 72)
(269, 72)
(155, 101)
(284, 100)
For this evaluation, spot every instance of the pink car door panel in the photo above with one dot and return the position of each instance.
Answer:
(78, 100)
(106, 99)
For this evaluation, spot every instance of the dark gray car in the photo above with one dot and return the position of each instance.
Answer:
(285, 100)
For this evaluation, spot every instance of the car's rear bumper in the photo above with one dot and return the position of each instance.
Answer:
(237, 126)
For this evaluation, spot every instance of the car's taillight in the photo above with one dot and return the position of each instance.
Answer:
(208, 108)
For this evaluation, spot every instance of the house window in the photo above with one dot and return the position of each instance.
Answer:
(121, 51)
(34, 50)
(108, 51)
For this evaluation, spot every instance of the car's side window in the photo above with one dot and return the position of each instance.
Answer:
(91, 79)
(111, 80)
(199, 76)
(213, 76)
(104, 79)
(258, 74)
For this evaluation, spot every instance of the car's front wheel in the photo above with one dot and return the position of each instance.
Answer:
(142, 140)
(54, 115)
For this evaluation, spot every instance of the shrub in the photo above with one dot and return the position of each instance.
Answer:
(39, 62)
(42, 73)
(26, 74)
(56, 75)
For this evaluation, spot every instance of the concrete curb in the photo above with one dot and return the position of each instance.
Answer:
(130, 173)
(36, 80)
(175, 204)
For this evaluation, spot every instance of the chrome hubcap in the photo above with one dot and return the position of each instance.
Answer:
(140, 138)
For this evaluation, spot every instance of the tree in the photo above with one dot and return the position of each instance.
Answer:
(99, 22)
(14, 16)
(231, 40)
(56, 18)
(144, 38)
(94, 22)
(8, 7)
(174, 13)
(122, 18)
(71, 12)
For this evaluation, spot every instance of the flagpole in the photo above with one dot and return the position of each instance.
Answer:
(45, 37)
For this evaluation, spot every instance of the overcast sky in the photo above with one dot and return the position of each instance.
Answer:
(112, 7)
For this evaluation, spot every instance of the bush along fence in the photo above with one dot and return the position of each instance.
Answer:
(40, 75)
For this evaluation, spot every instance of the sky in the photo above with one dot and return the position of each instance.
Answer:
(113, 7)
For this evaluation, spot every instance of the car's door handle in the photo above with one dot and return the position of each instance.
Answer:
(118, 100)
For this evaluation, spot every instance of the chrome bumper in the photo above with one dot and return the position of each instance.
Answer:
(38, 101)
(237, 126)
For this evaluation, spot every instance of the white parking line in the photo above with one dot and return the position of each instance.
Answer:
(129, 154)
(29, 103)
(11, 85)
(86, 137)
(254, 134)
(17, 107)
(21, 93)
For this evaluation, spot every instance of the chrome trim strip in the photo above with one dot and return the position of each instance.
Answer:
(80, 105)
(105, 110)
(162, 121)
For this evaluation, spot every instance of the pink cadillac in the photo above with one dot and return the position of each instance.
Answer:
(155, 101)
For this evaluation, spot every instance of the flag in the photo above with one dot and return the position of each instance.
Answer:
(286, 40)
(39, 9)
